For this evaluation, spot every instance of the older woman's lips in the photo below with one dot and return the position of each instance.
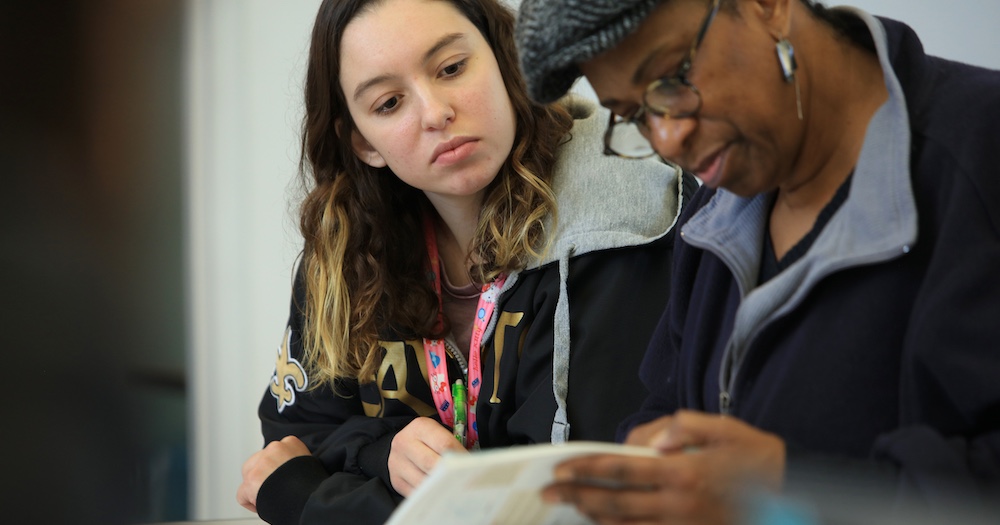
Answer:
(710, 170)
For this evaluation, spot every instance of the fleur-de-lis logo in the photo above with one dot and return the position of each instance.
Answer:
(289, 376)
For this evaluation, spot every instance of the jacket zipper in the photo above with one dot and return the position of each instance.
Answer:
(724, 402)
(454, 352)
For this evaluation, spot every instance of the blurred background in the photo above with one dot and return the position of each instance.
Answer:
(148, 154)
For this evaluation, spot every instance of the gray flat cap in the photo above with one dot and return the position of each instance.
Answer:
(553, 36)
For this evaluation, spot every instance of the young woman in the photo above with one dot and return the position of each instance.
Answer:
(437, 267)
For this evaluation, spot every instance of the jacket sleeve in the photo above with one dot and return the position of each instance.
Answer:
(292, 405)
(349, 498)
(303, 492)
(949, 437)
(333, 425)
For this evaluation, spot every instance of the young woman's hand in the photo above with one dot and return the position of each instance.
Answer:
(262, 464)
(415, 451)
(704, 462)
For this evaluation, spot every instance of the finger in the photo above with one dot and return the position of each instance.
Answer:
(406, 477)
(436, 437)
(690, 428)
(295, 446)
(611, 469)
(683, 472)
(276, 453)
(444, 443)
(245, 499)
(250, 463)
(613, 521)
(689, 431)
(405, 489)
(631, 506)
(421, 456)
(641, 434)
(674, 440)
(602, 503)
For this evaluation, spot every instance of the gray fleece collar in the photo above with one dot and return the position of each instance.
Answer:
(606, 202)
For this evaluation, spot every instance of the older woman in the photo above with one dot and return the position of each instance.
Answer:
(837, 290)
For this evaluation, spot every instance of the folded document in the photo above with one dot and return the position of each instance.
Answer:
(499, 486)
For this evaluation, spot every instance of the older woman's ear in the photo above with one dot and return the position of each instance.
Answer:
(775, 14)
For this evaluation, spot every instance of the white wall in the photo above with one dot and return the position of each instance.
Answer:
(245, 68)
(963, 30)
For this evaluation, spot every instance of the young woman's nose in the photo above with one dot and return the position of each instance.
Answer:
(669, 136)
(437, 109)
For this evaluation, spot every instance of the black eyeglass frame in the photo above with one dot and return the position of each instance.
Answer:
(638, 118)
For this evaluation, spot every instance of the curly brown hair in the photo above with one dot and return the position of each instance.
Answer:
(364, 258)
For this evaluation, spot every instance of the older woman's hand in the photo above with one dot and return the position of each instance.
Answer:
(704, 461)
(262, 464)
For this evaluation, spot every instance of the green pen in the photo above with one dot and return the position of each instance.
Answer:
(458, 398)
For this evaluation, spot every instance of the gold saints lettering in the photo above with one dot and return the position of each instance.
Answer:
(289, 376)
(507, 319)
(394, 366)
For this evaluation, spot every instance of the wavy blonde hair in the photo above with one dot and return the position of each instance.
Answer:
(364, 260)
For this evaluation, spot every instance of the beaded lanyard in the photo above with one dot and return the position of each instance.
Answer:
(436, 354)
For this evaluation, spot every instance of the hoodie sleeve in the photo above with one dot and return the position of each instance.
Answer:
(292, 405)
(350, 450)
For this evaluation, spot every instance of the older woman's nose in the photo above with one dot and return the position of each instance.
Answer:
(669, 136)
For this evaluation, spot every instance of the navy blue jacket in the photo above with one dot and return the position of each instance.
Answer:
(895, 361)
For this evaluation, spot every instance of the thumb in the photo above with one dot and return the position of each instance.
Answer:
(671, 440)
(689, 431)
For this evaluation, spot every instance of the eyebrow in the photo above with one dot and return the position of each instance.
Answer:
(442, 42)
(640, 74)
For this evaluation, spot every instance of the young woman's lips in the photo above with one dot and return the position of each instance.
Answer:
(453, 151)
(710, 170)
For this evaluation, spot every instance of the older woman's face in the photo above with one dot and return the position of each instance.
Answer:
(746, 135)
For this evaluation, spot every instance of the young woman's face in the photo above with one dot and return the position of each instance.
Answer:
(425, 92)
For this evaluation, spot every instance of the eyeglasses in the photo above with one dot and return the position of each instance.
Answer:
(668, 97)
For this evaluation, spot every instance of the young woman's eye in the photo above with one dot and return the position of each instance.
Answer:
(388, 106)
(455, 69)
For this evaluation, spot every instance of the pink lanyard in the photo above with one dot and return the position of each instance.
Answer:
(436, 354)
